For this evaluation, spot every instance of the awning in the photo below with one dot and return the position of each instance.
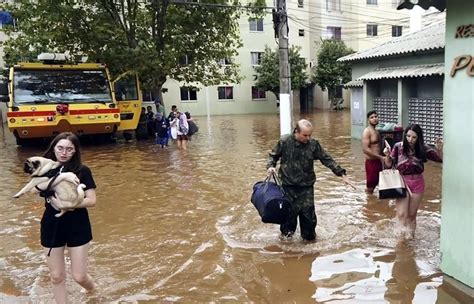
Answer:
(354, 83)
(409, 4)
(405, 71)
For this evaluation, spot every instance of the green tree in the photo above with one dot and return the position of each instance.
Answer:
(268, 73)
(157, 39)
(329, 73)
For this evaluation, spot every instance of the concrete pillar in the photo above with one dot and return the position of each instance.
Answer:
(402, 97)
(457, 212)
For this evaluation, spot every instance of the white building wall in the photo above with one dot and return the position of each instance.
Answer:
(353, 16)
(242, 102)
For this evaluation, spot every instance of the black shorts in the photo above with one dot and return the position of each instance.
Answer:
(72, 229)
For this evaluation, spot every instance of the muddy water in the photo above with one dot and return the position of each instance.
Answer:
(177, 226)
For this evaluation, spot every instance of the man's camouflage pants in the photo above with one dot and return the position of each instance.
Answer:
(302, 206)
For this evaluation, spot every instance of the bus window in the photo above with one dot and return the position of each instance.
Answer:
(126, 88)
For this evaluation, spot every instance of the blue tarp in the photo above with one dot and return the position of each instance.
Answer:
(6, 18)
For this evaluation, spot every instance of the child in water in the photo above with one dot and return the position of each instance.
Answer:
(162, 125)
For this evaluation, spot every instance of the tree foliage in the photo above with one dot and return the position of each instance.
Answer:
(329, 73)
(158, 39)
(268, 73)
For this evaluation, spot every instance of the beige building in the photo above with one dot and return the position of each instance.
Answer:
(361, 24)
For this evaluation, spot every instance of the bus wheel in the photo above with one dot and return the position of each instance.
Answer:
(19, 141)
(127, 136)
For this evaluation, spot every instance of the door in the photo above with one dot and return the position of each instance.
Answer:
(129, 100)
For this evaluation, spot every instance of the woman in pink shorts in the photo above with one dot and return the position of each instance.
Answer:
(409, 157)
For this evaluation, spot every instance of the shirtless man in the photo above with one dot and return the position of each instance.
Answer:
(372, 150)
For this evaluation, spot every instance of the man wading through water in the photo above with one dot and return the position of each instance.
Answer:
(371, 147)
(297, 153)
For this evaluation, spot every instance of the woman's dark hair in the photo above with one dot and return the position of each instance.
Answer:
(74, 163)
(420, 152)
(188, 115)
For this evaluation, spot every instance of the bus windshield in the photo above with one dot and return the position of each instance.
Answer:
(60, 86)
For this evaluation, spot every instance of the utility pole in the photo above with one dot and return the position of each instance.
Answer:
(281, 28)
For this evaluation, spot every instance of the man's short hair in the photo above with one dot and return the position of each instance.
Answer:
(370, 113)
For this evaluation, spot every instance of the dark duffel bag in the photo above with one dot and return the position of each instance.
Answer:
(269, 199)
(193, 128)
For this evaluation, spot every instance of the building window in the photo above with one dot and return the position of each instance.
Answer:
(333, 32)
(258, 93)
(372, 2)
(301, 32)
(225, 93)
(256, 57)
(225, 61)
(396, 31)
(188, 94)
(148, 96)
(333, 5)
(371, 30)
(186, 59)
(256, 25)
(300, 3)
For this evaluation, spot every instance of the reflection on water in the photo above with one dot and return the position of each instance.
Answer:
(177, 226)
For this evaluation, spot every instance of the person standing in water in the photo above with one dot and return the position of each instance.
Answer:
(408, 157)
(371, 146)
(297, 153)
(73, 229)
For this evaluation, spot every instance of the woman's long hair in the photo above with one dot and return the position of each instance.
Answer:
(420, 152)
(74, 164)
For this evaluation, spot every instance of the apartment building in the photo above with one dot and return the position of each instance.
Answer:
(241, 98)
(361, 24)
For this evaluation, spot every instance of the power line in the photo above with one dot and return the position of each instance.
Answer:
(321, 30)
(349, 6)
(216, 5)
(345, 11)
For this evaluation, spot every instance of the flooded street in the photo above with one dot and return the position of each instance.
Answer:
(178, 226)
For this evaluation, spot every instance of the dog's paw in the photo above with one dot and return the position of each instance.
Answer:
(60, 214)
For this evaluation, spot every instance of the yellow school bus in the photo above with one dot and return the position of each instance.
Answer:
(52, 96)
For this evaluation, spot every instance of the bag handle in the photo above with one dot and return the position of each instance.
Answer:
(394, 161)
(277, 182)
(275, 178)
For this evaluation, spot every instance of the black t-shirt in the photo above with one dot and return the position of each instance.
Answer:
(85, 176)
(73, 228)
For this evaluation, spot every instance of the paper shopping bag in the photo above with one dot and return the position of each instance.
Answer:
(391, 184)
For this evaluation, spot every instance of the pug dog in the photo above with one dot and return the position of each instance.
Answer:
(67, 187)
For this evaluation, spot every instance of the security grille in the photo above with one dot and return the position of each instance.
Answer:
(428, 114)
(387, 109)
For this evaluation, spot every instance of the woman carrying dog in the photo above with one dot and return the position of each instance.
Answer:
(73, 229)
(409, 157)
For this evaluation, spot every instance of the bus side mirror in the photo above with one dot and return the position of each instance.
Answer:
(4, 92)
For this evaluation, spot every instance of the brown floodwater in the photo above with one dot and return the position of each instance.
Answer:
(178, 226)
